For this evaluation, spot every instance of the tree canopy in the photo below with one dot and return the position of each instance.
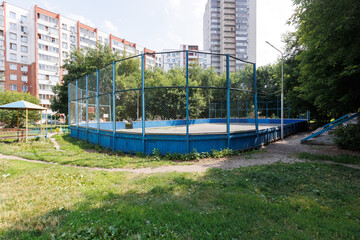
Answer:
(323, 56)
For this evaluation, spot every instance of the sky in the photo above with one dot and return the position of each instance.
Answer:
(165, 24)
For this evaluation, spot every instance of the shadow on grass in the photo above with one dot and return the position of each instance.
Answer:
(278, 201)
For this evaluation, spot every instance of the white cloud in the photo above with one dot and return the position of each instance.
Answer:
(109, 27)
(81, 18)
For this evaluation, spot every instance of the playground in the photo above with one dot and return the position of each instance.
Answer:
(140, 113)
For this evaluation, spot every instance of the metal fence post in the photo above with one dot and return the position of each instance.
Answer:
(87, 107)
(256, 109)
(228, 99)
(97, 106)
(77, 107)
(68, 105)
(267, 109)
(114, 108)
(143, 102)
(187, 103)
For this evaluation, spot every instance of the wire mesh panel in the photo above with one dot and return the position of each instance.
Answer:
(81, 101)
(72, 103)
(128, 74)
(92, 109)
(105, 97)
(242, 96)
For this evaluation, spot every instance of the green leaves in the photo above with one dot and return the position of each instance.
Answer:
(326, 45)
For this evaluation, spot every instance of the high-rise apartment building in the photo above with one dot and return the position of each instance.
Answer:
(178, 59)
(230, 28)
(34, 44)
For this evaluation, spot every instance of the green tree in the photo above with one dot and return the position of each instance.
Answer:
(328, 34)
(9, 117)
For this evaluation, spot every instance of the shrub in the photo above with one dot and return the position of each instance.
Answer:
(348, 137)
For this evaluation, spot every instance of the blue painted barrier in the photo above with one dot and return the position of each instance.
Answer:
(176, 143)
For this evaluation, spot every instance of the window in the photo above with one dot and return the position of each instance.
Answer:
(24, 88)
(2, 63)
(12, 36)
(23, 18)
(24, 49)
(2, 53)
(72, 46)
(72, 29)
(24, 39)
(24, 68)
(64, 45)
(13, 77)
(13, 26)
(12, 15)
(64, 36)
(64, 26)
(24, 78)
(72, 38)
(13, 67)
(13, 46)
(65, 54)
(13, 56)
(24, 58)
(1, 43)
(100, 38)
(13, 87)
(24, 29)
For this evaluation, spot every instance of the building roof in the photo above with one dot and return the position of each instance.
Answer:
(21, 105)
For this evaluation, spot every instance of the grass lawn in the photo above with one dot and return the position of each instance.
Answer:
(81, 153)
(297, 201)
(344, 158)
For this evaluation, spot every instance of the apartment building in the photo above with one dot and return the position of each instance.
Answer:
(229, 27)
(178, 59)
(34, 44)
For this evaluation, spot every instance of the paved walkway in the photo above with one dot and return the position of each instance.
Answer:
(277, 152)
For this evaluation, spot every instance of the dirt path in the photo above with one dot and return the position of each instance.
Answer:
(53, 140)
(277, 152)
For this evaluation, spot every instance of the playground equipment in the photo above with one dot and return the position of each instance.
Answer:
(137, 114)
(330, 126)
(59, 125)
(19, 133)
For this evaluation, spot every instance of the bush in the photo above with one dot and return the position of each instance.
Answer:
(348, 137)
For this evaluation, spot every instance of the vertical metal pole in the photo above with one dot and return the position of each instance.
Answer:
(228, 99)
(247, 109)
(87, 107)
(267, 109)
(51, 123)
(187, 103)
(68, 105)
(46, 124)
(26, 125)
(209, 110)
(114, 108)
(277, 107)
(282, 96)
(256, 109)
(97, 105)
(143, 102)
(110, 115)
(238, 108)
(77, 107)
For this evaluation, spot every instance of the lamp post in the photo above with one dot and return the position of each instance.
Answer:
(282, 89)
